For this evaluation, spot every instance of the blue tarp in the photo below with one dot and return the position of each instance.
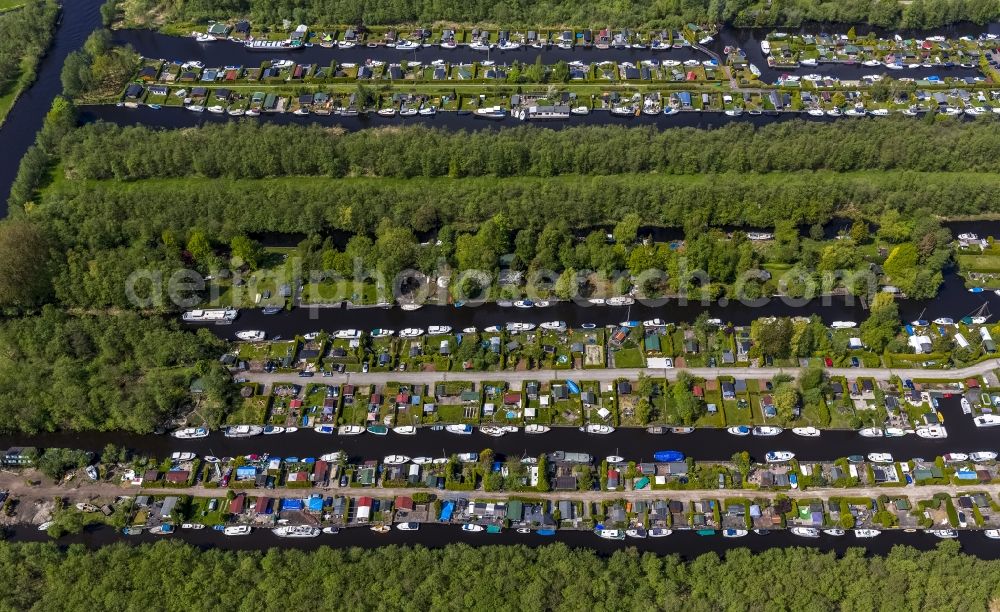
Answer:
(246, 471)
(446, 511)
(572, 386)
(292, 504)
(315, 504)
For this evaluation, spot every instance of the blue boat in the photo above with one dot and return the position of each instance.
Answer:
(572, 386)
(668, 456)
(154, 106)
(976, 290)
(270, 310)
(546, 532)
(630, 324)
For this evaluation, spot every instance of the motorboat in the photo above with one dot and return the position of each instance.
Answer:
(766, 431)
(779, 456)
(405, 430)
(805, 532)
(843, 324)
(681, 430)
(880, 457)
(380, 528)
(492, 431)
(327, 430)
(993, 534)
(194, 526)
(944, 321)
(554, 325)
(987, 420)
(955, 457)
(422, 460)
(654, 323)
(331, 457)
(835, 532)
(894, 432)
(216, 315)
(491, 112)
(734, 533)
(523, 530)
(980, 456)
(656, 430)
(472, 528)
(251, 335)
(410, 526)
(807, 432)
(463, 430)
(469, 330)
(919, 323)
(243, 431)
(180, 456)
(520, 327)
(932, 431)
(536, 429)
(739, 430)
(966, 406)
(529, 460)
(211, 459)
(660, 532)
(377, 430)
(378, 332)
(331, 530)
(438, 330)
(237, 530)
(190, 433)
(871, 432)
(411, 332)
(668, 456)
(596, 428)
(636, 532)
(164, 529)
(296, 531)
(347, 334)
(614, 459)
(395, 460)
(270, 430)
(944, 534)
(386, 112)
(85, 507)
(866, 533)
(350, 430)
(610, 534)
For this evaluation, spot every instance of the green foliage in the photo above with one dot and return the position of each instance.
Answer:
(25, 34)
(55, 462)
(99, 372)
(25, 277)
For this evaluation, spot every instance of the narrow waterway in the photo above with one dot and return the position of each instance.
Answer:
(685, 543)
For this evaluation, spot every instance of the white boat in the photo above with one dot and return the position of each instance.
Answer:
(251, 335)
(218, 110)
(809, 62)
(944, 321)
(472, 528)
(807, 432)
(880, 457)
(189, 433)
(871, 432)
(779, 456)
(411, 332)
(536, 429)
(350, 430)
(955, 457)
(327, 430)
(462, 430)
(386, 112)
(805, 532)
(492, 430)
(85, 507)
(993, 534)
(296, 531)
(331, 457)
(469, 330)
(894, 432)
(310, 336)
(216, 315)
(237, 530)
(271, 430)
(405, 430)
(866, 533)
(636, 532)
(422, 460)
(766, 431)
(654, 323)
(412, 526)
(195, 108)
(406, 45)
(395, 459)
(427, 111)
(331, 530)
(987, 420)
(182, 456)
(734, 533)
(438, 330)
(580, 110)
(520, 327)
(610, 534)
(596, 428)
(195, 526)
(614, 459)
(554, 325)
(765, 47)
(980, 456)
(347, 334)
(243, 431)
(835, 532)
(843, 324)
(378, 332)
(739, 430)
(492, 112)
(660, 532)
(966, 406)
(944, 534)
(933, 432)
(212, 459)
(529, 460)
(620, 301)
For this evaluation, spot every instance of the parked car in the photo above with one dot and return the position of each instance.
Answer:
(855, 362)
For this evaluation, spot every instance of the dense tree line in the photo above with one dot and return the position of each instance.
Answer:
(25, 34)
(99, 69)
(250, 150)
(126, 371)
(554, 577)
(888, 13)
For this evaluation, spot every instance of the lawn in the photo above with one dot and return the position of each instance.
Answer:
(629, 358)
(253, 410)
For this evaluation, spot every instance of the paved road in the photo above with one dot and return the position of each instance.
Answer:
(611, 374)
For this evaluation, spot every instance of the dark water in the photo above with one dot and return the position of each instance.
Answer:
(685, 543)
(79, 18)
(632, 444)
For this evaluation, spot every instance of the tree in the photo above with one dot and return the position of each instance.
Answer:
(627, 230)
(25, 274)
(198, 246)
(686, 404)
(772, 337)
(786, 399)
(882, 325)
(901, 267)
(742, 462)
(566, 286)
(643, 410)
(245, 251)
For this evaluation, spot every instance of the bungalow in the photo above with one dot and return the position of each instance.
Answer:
(262, 507)
(403, 503)
(767, 406)
(19, 456)
(178, 476)
(157, 90)
(728, 390)
(238, 504)
(147, 74)
(439, 74)
(395, 72)
(364, 509)
(134, 91)
(222, 94)
(209, 75)
(566, 510)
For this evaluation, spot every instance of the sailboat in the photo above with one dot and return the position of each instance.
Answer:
(978, 316)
